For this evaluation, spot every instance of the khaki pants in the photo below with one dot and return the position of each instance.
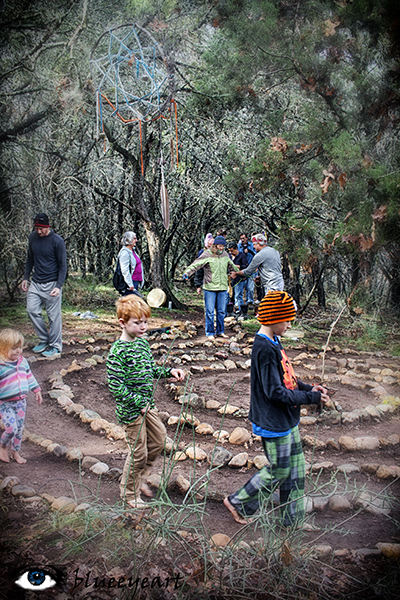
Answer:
(145, 437)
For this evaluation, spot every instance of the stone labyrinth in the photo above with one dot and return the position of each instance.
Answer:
(76, 449)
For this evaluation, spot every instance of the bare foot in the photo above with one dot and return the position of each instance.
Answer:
(146, 491)
(238, 518)
(18, 458)
(4, 453)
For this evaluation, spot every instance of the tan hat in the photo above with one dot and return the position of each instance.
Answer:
(156, 298)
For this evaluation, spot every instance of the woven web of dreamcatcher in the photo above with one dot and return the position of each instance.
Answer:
(131, 77)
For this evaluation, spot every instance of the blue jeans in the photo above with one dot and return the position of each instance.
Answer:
(249, 287)
(238, 291)
(212, 301)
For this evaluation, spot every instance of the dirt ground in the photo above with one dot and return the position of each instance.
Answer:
(58, 476)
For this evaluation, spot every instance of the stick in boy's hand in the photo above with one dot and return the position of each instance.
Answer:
(179, 374)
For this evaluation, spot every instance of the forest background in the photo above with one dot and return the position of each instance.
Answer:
(287, 122)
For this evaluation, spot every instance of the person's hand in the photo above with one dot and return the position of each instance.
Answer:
(179, 374)
(198, 290)
(145, 409)
(38, 396)
(25, 285)
(185, 277)
(324, 393)
(55, 291)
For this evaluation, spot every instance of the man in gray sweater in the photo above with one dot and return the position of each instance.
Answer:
(268, 263)
(48, 258)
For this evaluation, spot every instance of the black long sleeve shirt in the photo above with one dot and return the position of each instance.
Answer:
(47, 257)
(276, 393)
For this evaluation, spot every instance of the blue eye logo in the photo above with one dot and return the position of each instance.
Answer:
(38, 579)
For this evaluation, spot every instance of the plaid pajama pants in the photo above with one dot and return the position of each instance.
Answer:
(286, 471)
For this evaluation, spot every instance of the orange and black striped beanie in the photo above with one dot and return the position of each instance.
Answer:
(276, 307)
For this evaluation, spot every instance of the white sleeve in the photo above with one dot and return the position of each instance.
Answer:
(128, 264)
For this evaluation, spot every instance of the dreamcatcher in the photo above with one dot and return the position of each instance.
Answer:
(132, 80)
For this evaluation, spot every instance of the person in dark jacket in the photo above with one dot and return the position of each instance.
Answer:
(239, 259)
(276, 397)
(48, 258)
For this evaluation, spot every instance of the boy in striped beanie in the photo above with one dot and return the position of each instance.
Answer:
(276, 397)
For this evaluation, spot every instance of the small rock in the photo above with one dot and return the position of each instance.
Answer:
(372, 504)
(348, 468)
(391, 551)
(99, 425)
(322, 466)
(219, 457)
(239, 461)
(48, 497)
(46, 443)
(367, 443)
(385, 472)
(114, 473)
(332, 444)
(179, 483)
(221, 436)
(220, 540)
(204, 429)
(350, 417)
(179, 456)
(64, 504)
(82, 507)
(99, 468)
(230, 365)
(229, 409)
(22, 490)
(196, 453)
(212, 404)
(60, 450)
(339, 504)
(370, 468)
(260, 461)
(9, 482)
(371, 410)
(115, 432)
(64, 401)
(192, 400)
(74, 409)
(348, 443)
(74, 454)
(239, 436)
(308, 420)
(154, 480)
(311, 442)
(87, 416)
(320, 503)
(323, 550)
(54, 394)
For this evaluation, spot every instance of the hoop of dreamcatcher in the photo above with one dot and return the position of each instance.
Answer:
(132, 79)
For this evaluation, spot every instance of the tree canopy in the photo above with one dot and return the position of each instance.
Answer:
(287, 122)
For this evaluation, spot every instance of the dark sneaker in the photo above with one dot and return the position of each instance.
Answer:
(40, 347)
(51, 353)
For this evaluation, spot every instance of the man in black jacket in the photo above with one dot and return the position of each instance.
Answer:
(239, 259)
(48, 258)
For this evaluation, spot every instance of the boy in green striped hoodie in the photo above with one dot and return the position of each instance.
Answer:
(131, 370)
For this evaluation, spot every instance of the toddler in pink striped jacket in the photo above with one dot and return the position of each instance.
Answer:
(16, 380)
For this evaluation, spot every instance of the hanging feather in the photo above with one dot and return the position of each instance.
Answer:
(165, 206)
(164, 200)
